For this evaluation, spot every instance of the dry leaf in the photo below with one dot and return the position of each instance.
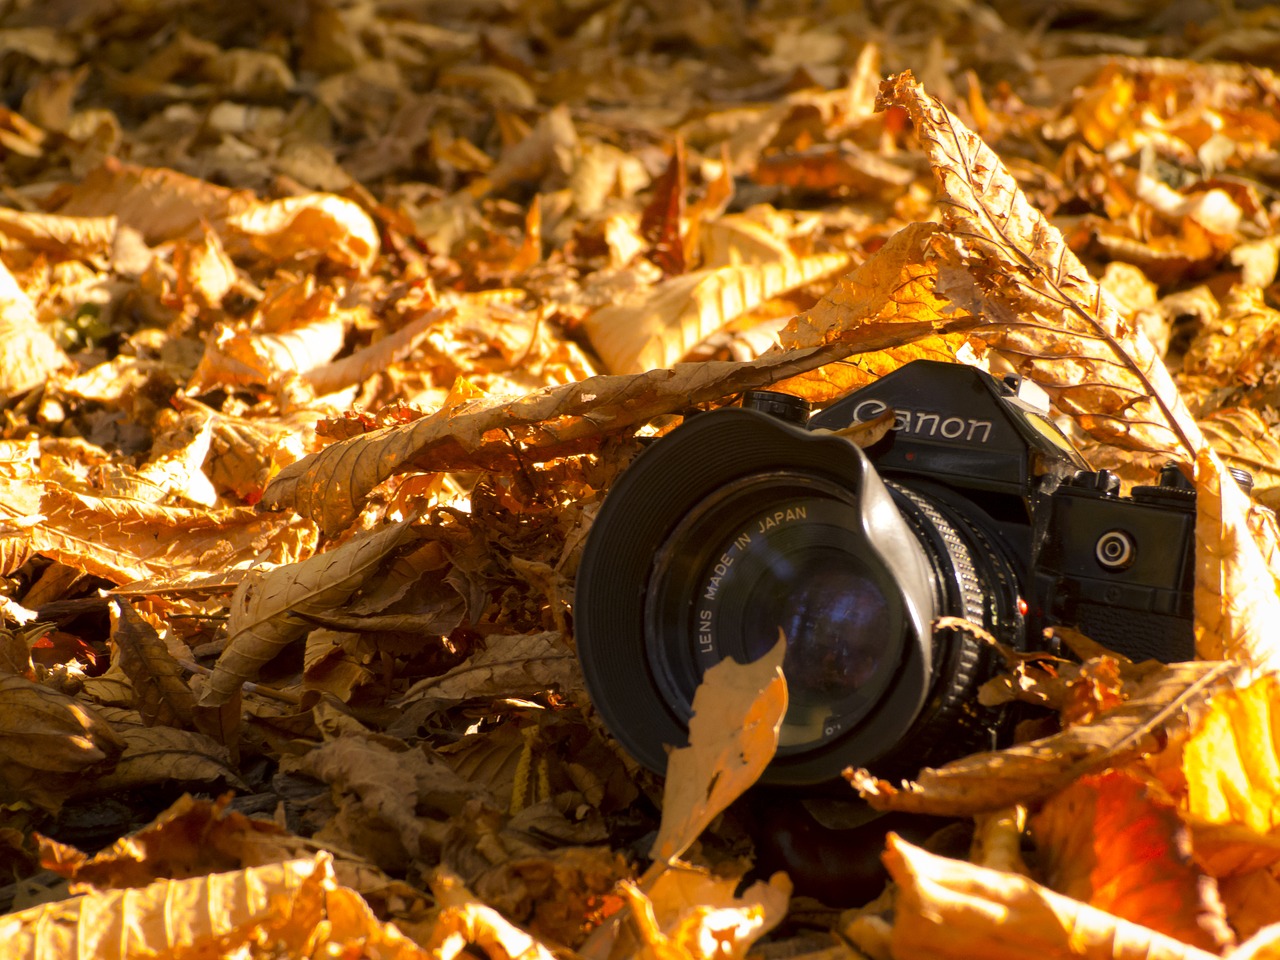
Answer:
(162, 755)
(952, 909)
(296, 905)
(690, 915)
(27, 353)
(1045, 314)
(1033, 770)
(681, 312)
(49, 743)
(511, 665)
(267, 609)
(313, 225)
(239, 357)
(60, 237)
(332, 484)
(126, 540)
(1236, 599)
(737, 712)
(158, 681)
(1230, 767)
(1107, 842)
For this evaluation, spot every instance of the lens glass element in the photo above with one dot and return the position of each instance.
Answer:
(790, 565)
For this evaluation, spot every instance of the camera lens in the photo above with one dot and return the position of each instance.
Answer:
(737, 529)
(777, 556)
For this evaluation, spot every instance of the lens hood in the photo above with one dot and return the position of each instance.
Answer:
(664, 486)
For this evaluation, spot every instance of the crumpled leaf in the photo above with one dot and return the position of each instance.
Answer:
(691, 915)
(463, 922)
(945, 909)
(313, 225)
(379, 355)
(48, 744)
(391, 788)
(27, 353)
(239, 357)
(1107, 842)
(737, 712)
(267, 609)
(1035, 769)
(510, 665)
(682, 311)
(296, 905)
(158, 681)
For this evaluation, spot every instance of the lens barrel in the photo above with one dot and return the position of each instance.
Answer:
(736, 529)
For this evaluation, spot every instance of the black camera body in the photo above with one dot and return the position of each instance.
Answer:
(744, 524)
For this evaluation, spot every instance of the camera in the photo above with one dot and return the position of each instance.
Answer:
(748, 523)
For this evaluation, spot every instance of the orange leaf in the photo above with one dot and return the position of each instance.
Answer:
(1105, 841)
(952, 910)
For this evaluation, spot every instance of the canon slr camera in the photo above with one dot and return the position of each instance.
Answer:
(749, 523)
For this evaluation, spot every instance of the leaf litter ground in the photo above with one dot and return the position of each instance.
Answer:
(325, 328)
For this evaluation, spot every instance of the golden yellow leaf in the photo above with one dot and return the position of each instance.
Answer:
(1236, 599)
(1231, 768)
(319, 225)
(682, 311)
(267, 608)
(205, 273)
(1244, 439)
(463, 922)
(61, 237)
(297, 906)
(1035, 769)
(737, 712)
(27, 353)
(126, 540)
(688, 914)
(555, 421)
(1107, 842)
(235, 356)
(334, 375)
(890, 296)
(952, 910)
(1045, 314)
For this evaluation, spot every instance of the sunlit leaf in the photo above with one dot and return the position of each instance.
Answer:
(1106, 842)
(682, 311)
(1033, 770)
(953, 909)
(267, 610)
(332, 484)
(1044, 312)
(737, 712)
(28, 354)
(1237, 598)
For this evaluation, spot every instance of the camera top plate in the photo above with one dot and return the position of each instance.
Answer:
(959, 424)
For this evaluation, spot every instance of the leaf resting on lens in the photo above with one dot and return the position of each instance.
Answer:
(737, 712)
